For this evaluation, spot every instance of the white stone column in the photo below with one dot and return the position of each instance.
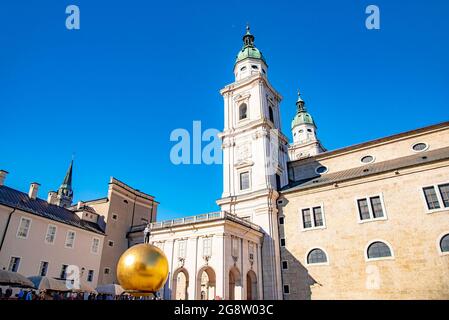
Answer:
(218, 256)
(192, 258)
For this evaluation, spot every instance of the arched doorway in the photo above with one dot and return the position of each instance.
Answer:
(251, 285)
(235, 284)
(180, 284)
(206, 283)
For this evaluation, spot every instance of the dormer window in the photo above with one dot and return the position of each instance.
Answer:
(243, 111)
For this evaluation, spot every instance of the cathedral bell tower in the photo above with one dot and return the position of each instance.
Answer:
(254, 156)
(305, 141)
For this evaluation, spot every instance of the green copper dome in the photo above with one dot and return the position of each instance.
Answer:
(249, 50)
(302, 116)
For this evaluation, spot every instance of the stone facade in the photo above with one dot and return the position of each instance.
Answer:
(124, 208)
(417, 269)
(107, 222)
(211, 256)
(25, 236)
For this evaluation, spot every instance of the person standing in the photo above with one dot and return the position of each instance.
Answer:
(29, 296)
(8, 293)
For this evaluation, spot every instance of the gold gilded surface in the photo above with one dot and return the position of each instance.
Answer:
(143, 268)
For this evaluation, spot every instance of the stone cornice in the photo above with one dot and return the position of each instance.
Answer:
(256, 78)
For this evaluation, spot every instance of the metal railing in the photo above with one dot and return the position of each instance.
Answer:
(220, 215)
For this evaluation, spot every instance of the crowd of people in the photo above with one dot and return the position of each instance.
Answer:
(30, 294)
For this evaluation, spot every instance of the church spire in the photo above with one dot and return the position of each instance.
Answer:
(305, 140)
(249, 50)
(300, 103)
(248, 38)
(65, 192)
(68, 176)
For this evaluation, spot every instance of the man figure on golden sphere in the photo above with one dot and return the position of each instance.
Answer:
(143, 268)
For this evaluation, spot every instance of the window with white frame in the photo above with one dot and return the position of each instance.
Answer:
(51, 234)
(235, 246)
(444, 243)
(95, 245)
(24, 228)
(243, 111)
(14, 264)
(63, 273)
(207, 247)
(316, 256)
(70, 239)
(182, 245)
(244, 180)
(90, 276)
(371, 208)
(420, 146)
(312, 217)
(378, 250)
(43, 268)
(251, 251)
(437, 196)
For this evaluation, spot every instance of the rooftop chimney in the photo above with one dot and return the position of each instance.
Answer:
(3, 175)
(34, 188)
(51, 199)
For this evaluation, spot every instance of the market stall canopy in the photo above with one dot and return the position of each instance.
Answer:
(14, 279)
(113, 289)
(46, 283)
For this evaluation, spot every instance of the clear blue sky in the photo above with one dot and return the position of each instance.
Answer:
(114, 90)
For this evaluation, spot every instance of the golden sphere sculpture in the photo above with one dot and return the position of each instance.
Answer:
(142, 268)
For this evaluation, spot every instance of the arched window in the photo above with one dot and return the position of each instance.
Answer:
(378, 249)
(243, 111)
(444, 243)
(316, 256)
(270, 114)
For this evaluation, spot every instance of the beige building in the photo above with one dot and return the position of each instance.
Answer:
(43, 239)
(369, 221)
(122, 210)
(50, 237)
